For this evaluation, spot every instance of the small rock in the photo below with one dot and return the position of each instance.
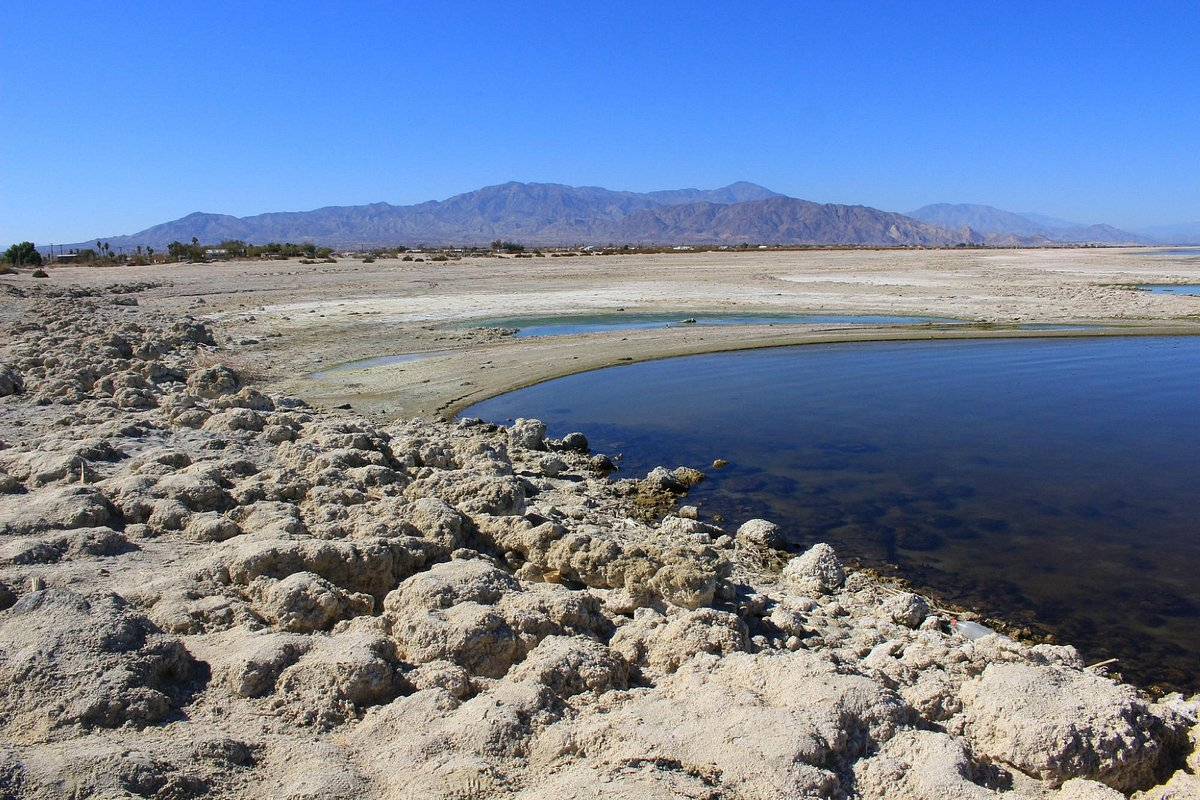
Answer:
(906, 609)
(528, 433)
(761, 534)
(817, 571)
(574, 441)
(552, 466)
(10, 381)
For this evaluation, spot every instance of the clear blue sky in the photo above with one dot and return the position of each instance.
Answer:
(117, 116)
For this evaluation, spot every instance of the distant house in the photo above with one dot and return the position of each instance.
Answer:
(216, 253)
(65, 258)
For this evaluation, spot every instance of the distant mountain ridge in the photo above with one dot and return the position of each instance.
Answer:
(999, 226)
(548, 214)
(543, 214)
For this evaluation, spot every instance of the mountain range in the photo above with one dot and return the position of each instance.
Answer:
(1008, 228)
(546, 214)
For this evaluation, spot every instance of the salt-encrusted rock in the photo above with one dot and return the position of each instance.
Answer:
(168, 514)
(103, 664)
(200, 490)
(443, 675)
(7, 596)
(259, 662)
(59, 508)
(1185, 781)
(569, 666)
(448, 584)
(181, 613)
(575, 441)
(661, 479)
(687, 477)
(317, 519)
(212, 382)
(438, 521)
(371, 566)
(10, 381)
(906, 609)
(473, 494)
(760, 534)
(212, 527)
(78, 543)
(529, 434)
(817, 571)
(1058, 723)
(469, 619)
(552, 466)
(683, 581)
(753, 725)
(601, 465)
(660, 645)
(919, 765)
(338, 678)
(304, 602)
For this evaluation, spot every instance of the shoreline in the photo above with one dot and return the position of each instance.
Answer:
(380, 386)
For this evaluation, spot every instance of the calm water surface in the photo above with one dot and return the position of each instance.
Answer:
(1053, 483)
(1172, 288)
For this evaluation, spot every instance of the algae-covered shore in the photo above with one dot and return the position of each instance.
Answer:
(216, 587)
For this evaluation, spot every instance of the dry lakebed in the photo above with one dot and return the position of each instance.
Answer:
(247, 550)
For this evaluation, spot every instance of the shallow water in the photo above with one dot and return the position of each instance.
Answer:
(558, 325)
(1049, 482)
(1171, 288)
(1175, 251)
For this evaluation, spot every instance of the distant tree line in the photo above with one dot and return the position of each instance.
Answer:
(22, 254)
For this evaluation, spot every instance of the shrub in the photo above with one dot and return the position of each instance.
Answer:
(40, 273)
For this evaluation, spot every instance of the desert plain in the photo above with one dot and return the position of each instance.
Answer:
(218, 580)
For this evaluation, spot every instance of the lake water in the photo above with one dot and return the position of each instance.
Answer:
(1052, 483)
(1175, 251)
(557, 325)
(1171, 288)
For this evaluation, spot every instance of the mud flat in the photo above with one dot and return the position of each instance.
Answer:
(212, 589)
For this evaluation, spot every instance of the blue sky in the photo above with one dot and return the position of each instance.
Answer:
(117, 116)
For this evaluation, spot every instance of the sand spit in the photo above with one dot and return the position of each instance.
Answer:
(207, 590)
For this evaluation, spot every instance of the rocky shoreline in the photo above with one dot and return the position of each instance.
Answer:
(210, 591)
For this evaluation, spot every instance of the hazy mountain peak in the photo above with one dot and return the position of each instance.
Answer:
(999, 226)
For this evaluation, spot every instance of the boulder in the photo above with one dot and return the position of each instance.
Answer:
(103, 664)
(529, 434)
(1058, 723)
(906, 609)
(817, 571)
(303, 602)
(760, 534)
